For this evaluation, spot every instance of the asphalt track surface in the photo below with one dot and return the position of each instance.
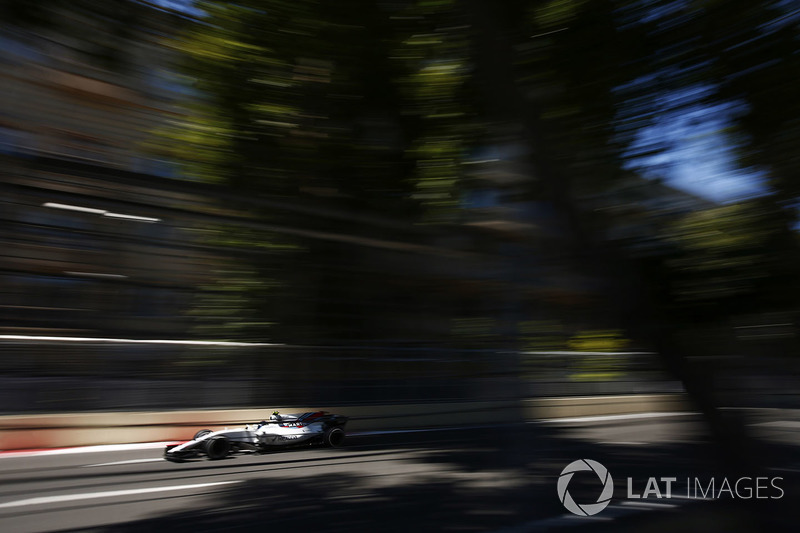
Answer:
(499, 478)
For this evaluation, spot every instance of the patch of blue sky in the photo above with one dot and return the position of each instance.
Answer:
(646, 11)
(691, 147)
(14, 48)
(787, 14)
(187, 7)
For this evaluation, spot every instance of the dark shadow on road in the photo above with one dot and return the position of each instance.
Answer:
(486, 480)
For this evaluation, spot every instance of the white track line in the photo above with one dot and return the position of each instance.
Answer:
(650, 505)
(129, 462)
(789, 424)
(108, 494)
(420, 430)
(86, 449)
(603, 418)
(131, 341)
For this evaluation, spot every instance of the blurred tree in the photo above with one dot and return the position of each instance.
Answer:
(729, 257)
(583, 78)
(375, 108)
(434, 57)
(573, 57)
(725, 261)
(280, 112)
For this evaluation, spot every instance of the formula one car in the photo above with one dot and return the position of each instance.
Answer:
(280, 431)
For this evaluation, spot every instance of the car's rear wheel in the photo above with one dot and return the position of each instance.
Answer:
(217, 447)
(202, 433)
(334, 437)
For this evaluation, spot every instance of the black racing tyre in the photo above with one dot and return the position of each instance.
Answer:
(202, 433)
(334, 437)
(217, 447)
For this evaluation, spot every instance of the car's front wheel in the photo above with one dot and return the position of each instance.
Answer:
(334, 437)
(217, 447)
(202, 433)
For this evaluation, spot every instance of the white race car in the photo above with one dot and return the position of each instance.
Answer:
(280, 431)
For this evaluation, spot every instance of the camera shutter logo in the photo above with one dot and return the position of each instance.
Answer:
(586, 509)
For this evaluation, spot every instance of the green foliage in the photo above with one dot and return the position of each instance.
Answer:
(598, 341)
(557, 13)
(474, 329)
(599, 367)
(202, 144)
(542, 335)
(569, 68)
(231, 307)
(380, 105)
(245, 239)
(434, 61)
(279, 109)
(594, 366)
(722, 252)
